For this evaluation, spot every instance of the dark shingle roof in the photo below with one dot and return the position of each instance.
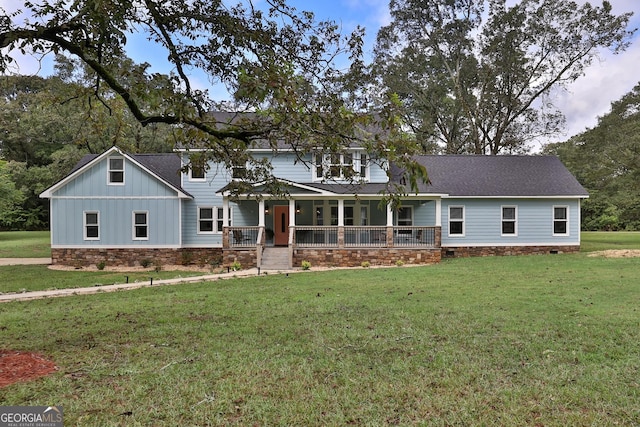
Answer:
(497, 176)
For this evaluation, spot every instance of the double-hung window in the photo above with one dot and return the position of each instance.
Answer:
(91, 225)
(405, 216)
(456, 221)
(140, 225)
(509, 220)
(211, 219)
(115, 171)
(560, 220)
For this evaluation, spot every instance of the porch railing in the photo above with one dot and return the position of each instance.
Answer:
(310, 236)
(243, 237)
(414, 236)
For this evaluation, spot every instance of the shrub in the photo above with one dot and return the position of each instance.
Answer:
(145, 263)
(235, 266)
(306, 265)
(101, 265)
(365, 264)
(399, 263)
(186, 258)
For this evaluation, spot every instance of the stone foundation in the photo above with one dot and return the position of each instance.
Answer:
(355, 257)
(246, 257)
(482, 251)
(135, 257)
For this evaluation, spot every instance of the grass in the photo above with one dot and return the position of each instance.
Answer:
(548, 340)
(603, 240)
(25, 244)
(23, 278)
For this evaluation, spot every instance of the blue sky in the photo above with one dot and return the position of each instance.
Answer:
(588, 98)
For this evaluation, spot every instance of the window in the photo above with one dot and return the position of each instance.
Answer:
(334, 215)
(116, 170)
(319, 215)
(348, 215)
(405, 216)
(140, 225)
(197, 170)
(509, 221)
(205, 220)
(560, 220)
(456, 220)
(340, 166)
(92, 225)
(210, 219)
(239, 172)
(364, 215)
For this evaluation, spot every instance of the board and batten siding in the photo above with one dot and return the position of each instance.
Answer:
(90, 192)
(483, 222)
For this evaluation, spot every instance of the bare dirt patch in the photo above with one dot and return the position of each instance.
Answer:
(125, 269)
(617, 253)
(18, 366)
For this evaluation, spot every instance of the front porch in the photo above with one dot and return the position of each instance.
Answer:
(338, 246)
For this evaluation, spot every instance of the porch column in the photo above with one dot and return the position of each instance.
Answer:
(389, 226)
(292, 213)
(438, 212)
(341, 223)
(225, 211)
(261, 213)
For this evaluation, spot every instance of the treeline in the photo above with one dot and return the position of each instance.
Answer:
(606, 161)
(47, 125)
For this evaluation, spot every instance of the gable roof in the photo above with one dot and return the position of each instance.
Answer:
(164, 166)
(497, 176)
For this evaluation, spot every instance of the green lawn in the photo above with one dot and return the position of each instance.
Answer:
(549, 340)
(25, 244)
(603, 240)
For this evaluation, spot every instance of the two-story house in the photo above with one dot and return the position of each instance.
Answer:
(126, 208)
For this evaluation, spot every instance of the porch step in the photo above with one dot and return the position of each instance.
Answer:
(275, 259)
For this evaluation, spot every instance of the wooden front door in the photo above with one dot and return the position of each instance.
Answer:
(281, 225)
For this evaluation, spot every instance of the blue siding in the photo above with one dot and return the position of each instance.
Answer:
(483, 224)
(93, 183)
(89, 191)
(115, 221)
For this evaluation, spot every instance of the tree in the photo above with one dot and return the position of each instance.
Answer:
(276, 63)
(11, 200)
(606, 160)
(477, 76)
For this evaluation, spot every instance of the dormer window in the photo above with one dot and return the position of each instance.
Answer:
(341, 166)
(239, 172)
(116, 171)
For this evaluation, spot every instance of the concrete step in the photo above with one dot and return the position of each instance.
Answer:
(275, 259)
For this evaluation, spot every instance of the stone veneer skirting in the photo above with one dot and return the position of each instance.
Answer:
(135, 257)
(318, 257)
(480, 251)
(355, 257)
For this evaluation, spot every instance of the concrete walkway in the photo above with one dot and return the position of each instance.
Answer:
(25, 296)
(25, 261)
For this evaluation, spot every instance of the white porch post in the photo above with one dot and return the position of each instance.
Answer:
(389, 215)
(340, 213)
(225, 212)
(438, 212)
(292, 213)
(261, 213)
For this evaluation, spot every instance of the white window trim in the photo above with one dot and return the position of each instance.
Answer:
(109, 170)
(553, 220)
(515, 221)
(463, 220)
(197, 179)
(214, 220)
(356, 162)
(85, 225)
(133, 225)
(217, 218)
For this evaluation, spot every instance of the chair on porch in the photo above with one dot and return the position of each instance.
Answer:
(239, 238)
